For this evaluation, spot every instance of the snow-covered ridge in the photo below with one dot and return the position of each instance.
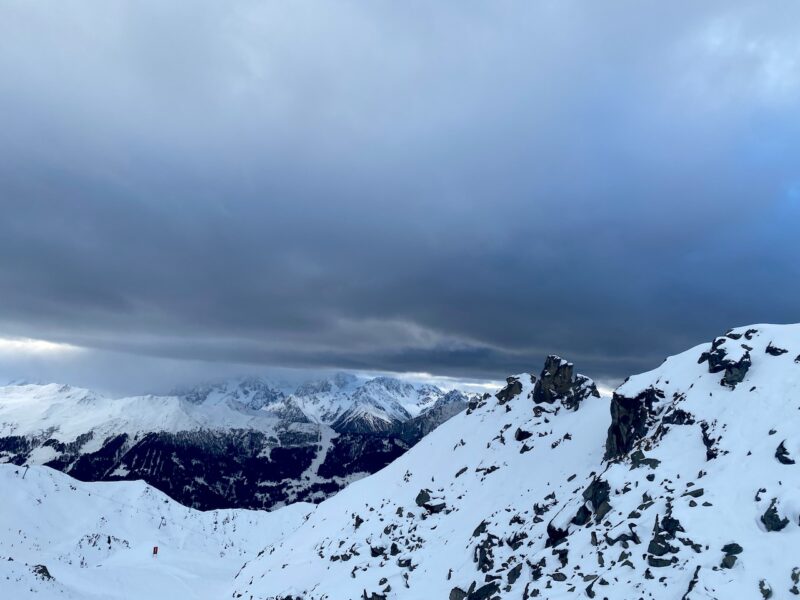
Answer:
(62, 538)
(685, 487)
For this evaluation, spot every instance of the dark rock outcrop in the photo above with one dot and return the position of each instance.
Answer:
(558, 382)
(774, 350)
(629, 421)
(731, 551)
(719, 362)
(660, 546)
(512, 390)
(782, 454)
(772, 520)
(597, 494)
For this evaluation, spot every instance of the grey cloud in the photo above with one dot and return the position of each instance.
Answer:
(458, 189)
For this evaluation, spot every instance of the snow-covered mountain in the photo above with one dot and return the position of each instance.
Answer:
(239, 443)
(374, 405)
(65, 539)
(684, 485)
(250, 392)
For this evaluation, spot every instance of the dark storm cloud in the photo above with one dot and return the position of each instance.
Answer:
(457, 189)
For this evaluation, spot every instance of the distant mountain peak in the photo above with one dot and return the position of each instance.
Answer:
(251, 392)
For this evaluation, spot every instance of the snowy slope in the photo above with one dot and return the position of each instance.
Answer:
(95, 540)
(686, 487)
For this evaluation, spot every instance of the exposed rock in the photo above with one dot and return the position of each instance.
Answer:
(41, 572)
(555, 535)
(731, 551)
(484, 592)
(597, 493)
(678, 416)
(629, 421)
(719, 360)
(457, 594)
(558, 382)
(483, 553)
(638, 459)
(663, 532)
(728, 561)
(782, 454)
(582, 517)
(774, 350)
(435, 507)
(423, 498)
(735, 371)
(513, 388)
(521, 434)
(708, 441)
(772, 520)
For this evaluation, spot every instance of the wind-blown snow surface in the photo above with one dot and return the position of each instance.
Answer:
(95, 540)
(683, 496)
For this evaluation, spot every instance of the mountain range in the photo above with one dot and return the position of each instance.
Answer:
(240, 443)
(683, 485)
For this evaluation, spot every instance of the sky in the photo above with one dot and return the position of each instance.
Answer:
(459, 188)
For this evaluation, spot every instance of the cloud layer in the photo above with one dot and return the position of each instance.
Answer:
(457, 189)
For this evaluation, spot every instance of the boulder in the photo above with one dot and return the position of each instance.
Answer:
(513, 389)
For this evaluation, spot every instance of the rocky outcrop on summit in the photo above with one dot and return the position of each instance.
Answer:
(688, 490)
(389, 533)
(730, 356)
(558, 382)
